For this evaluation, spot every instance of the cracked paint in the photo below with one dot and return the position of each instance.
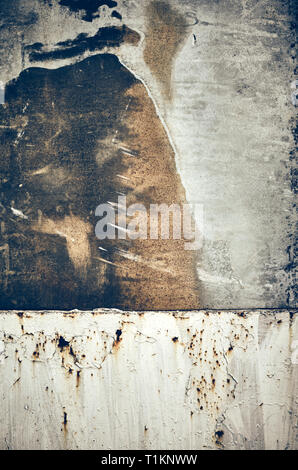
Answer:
(225, 379)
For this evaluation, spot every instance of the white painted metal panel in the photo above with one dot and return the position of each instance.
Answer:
(156, 380)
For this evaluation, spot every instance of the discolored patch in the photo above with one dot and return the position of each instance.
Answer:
(73, 138)
(105, 37)
(76, 233)
(89, 8)
(166, 32)
(153, 274)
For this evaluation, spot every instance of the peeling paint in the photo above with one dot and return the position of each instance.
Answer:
(227, 379)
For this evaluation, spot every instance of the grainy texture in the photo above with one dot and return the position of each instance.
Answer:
(221, 75)
(89, 133)
(186, 101)
(153, 380)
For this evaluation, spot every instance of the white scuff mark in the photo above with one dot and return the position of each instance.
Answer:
(41, 171)
(123, 177)
(102, 249)
(19, 135)
(118, 207)
(107, 262)
(25, 107)
(132, 153)
(63, 235)
(19, 213)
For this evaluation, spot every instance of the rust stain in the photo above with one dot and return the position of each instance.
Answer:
(118, 340)
(218, 437)
(78, 378)
(65, 423)
(166, 33)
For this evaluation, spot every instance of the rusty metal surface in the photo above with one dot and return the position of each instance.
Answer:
(156, 380)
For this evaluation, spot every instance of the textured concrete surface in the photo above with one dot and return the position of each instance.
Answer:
(153, 380)
(221, 76)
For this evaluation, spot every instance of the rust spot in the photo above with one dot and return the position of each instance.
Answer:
(16, 381)
(65, 423)
(218, 437)
(71, 352)
(118, 339)
(241, 314)
(78, 378)
(62, 343)
(118, 335)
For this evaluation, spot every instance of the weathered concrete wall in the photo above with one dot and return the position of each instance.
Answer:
(154, 380)
(221, 75)
(217, 80)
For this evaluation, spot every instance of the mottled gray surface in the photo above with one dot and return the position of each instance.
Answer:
(230, 119)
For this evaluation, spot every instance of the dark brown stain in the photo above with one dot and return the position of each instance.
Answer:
(62, 343)
(165, 35)
(64, 423)
(78, 378)
(118, 336)
(117, 341)
(112, 36)
(61, 137)
(88, 7)
(218, 437)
